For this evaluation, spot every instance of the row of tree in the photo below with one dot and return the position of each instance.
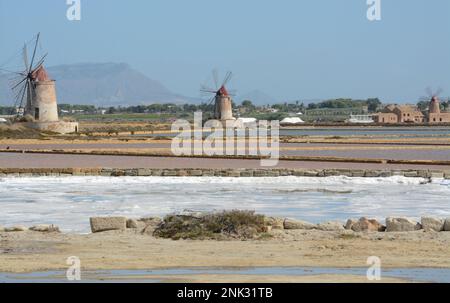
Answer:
(372, 104)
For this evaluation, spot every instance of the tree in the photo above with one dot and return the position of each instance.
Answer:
(373, 104)
(422, 105)
(247, 104)
(111, 110)
(312, 106)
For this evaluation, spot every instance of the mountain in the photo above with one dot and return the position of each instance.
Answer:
(257, 97)
(102, 84)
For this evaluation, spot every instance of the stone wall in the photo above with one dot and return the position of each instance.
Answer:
(59, 127)
(112, 172)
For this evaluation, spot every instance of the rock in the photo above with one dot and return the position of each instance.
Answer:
(298, 224)
(45, 228)
(15, 229)
(99, 224)
(150, 224)
(432, 224)
(331, 226)
(151, 221)
(275, 223)
(370, 225)
(401, 225)
(267, 229)
(136, 224)
(447, 225)
(350, 223)
(192, 214)
(132, 223)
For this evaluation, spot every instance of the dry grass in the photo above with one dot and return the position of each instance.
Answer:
(234, 224)
(16, 131)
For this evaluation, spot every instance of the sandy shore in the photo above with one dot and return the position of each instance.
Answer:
(128, 250)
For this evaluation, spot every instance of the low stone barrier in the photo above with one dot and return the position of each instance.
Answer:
(100, 224)
(196, 172)
(147, 225)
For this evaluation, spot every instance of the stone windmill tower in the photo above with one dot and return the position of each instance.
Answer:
(223, 109)
(435, 107)
(36, 95)
(41, 101)
(37, 89)
(435, 104)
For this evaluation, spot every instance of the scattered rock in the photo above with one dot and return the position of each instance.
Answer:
(136, 225)
(132, 223)
(45, 228)
(267, 229)
(100, 224)
(447, 225)
(369, 225)
(274, 223)
(153, 221)
(331, 226)
(192, 214)
(149, 224)
(401, 225)
(350, 223)
(15, 229)
(432, 224)
(298, 224)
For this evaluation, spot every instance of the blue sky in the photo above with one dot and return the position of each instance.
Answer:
(290, 49)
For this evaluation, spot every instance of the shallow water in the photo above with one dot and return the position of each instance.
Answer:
(434, 275)
(399, 132)
(69, 201)
(364, 131)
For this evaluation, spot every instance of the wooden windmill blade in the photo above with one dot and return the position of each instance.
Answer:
(12, 72)
(25, 59)
(227, 79)
(215, 73)
(19, 83)
(26, 89)
(34, 52)
(22, 83)
(207, 89)
(39, 63)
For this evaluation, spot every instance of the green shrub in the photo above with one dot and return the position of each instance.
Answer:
(235, 224)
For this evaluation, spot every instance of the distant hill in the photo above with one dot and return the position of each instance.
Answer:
(102, 84)
(257, 97)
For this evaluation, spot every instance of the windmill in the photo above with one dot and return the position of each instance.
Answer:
(34, 91)
(433, 99)
(223, 110)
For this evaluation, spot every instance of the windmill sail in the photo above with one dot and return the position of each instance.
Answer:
(221, 97)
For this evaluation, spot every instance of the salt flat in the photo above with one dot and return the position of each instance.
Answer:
(69, 201)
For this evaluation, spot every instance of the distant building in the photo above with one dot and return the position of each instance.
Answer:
(435, 115)
(393, 114)
(361, 119)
